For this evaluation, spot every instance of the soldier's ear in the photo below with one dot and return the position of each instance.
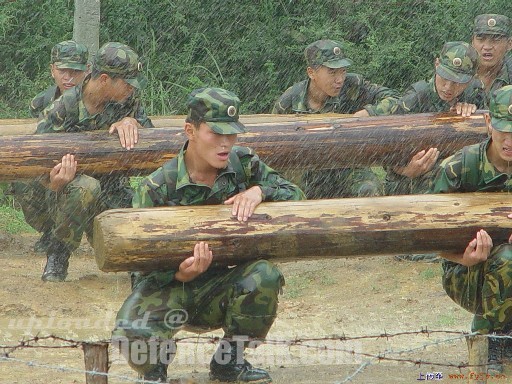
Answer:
(190, 131)
(436, 62)
(487, 118)
(52, 70)
(311, 72)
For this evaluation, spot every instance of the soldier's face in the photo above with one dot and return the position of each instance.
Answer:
(66, 78)
(449, 90)
(209, 148)
(491, 49)
(120, 90)
(500, 150)
(329, 81)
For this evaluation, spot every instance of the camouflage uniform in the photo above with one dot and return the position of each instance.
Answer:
(64, 55)
(241, 300)
(492, 24)
(355, 94)
(458, 62)
(72, 210)
(484, 289)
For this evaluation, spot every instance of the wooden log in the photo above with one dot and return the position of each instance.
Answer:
(349, 142)
(160, 238)
(96, 361)
(12, 127)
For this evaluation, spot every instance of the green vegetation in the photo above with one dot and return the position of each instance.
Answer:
(252, 48)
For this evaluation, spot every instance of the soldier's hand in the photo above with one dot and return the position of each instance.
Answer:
(464, 109)
(421, 163)
(193, 266)
(362, 113)
(63, 173)
(245, 203)
(478, 249)
(128, 130)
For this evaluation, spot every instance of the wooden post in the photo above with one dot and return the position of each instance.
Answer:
(478, 348)
(96, 360)
(86, 26)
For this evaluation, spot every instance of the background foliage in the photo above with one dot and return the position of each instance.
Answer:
(254, 48)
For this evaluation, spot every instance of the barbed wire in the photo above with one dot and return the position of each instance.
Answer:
(42, 342)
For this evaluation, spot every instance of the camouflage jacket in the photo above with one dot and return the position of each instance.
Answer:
(469, 170)
(171, 185)
(356, 94)
(43, 99)
(68, 113)
(421, 97)
(503, 78)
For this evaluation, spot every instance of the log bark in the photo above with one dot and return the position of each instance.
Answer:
(12, 127)
(160, 238)
(308, 144)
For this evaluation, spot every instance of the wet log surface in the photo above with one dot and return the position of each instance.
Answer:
(160, 238)
(291, 144)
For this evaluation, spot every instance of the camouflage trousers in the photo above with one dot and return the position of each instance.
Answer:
(241, 300)
(484, 289)
(67, 214)
(343, 182)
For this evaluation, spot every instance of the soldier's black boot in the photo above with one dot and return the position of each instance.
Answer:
(496, 354)
(41, 245)
(158, 373)
(57, 262)
(228, 365)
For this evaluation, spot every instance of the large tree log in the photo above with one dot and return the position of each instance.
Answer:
(12, 127)
(349, 142)
(160, 238)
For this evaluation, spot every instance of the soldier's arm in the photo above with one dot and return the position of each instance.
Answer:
(151, 191)
(408, 103)
(53, 119)
(283, 105)
(448, 179)
(37, 105)
(273, 186)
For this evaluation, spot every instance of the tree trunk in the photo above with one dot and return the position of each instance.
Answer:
(86, 26)
(291, 145)
(161, 238)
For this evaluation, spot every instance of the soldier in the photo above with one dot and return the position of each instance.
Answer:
(480, 280)
(107, 99)
(330, 89)
(68, 67)
(241, 300)
(454, 70)
(493, 41)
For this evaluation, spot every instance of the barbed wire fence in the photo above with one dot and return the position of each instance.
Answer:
(105, 354)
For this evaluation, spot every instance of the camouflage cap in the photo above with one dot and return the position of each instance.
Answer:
(500, 109)
(328, 53)
(218, 108)
(69, 55)
(457, 62)
(492, 24)
(119, 60)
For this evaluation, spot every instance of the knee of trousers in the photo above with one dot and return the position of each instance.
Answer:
(84, 190)
(253, 307)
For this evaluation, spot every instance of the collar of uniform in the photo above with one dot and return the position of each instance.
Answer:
(300, 100)
(488, 170)
(505, 73)
(183, 178)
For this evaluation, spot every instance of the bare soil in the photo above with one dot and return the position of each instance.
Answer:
(361, 298)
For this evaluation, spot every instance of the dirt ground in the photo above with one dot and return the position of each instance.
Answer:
(358, 298)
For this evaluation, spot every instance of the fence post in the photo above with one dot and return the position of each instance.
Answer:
(478, 348)
(96, 360)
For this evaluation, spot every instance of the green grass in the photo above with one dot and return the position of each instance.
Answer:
(430, 273)
(12, 221)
